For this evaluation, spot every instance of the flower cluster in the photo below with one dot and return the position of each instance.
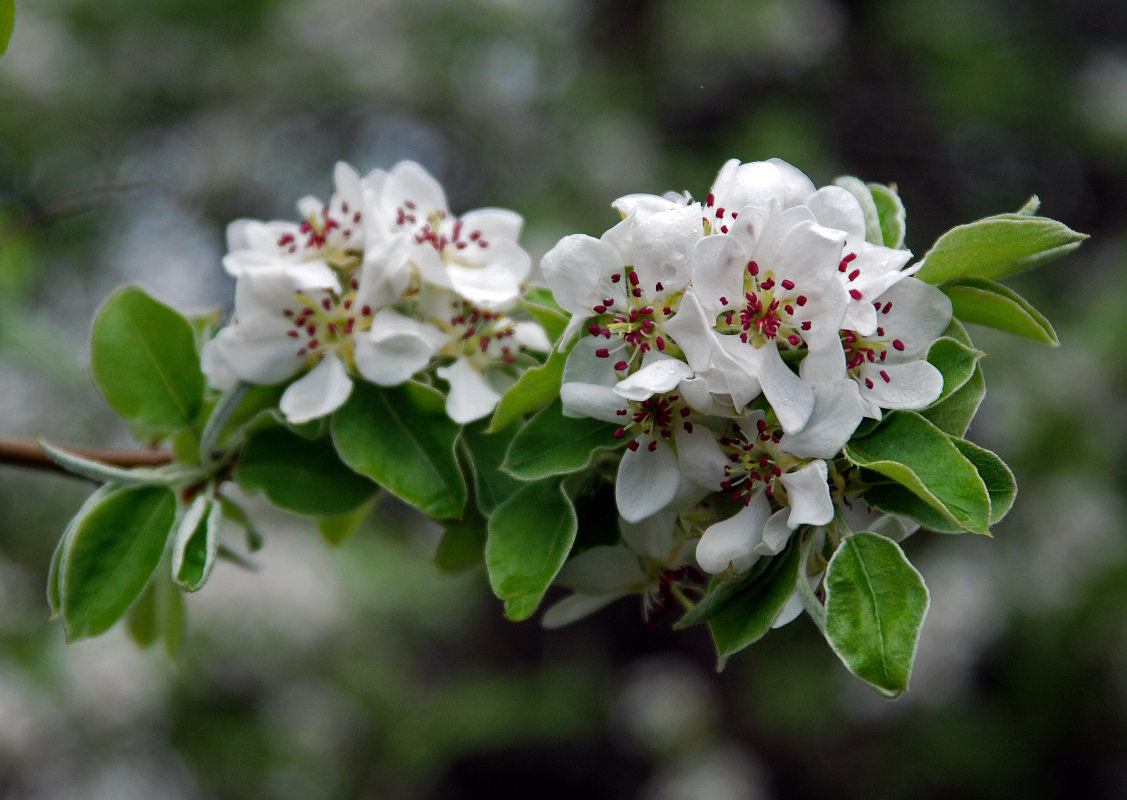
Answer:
(381, 282)
(738, 343)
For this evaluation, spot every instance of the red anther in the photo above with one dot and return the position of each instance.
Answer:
(787, 284)
(883, 354)
(621, 365)
(660, 343)
(768, 284)
(355, 284)
(849, 258)
(884, 375)
(720, 213)
(794, 339)
(348, 304)
(855, 294)
(291, 334)
(287, 313)
(348, 325)
(880, 331)
(332, 327)
(594, 329)
(652, 446)
(618, 434)
(286, 240)
(659, 288)
(616, 277)
(899, 345)
(366, 311)
(788, 308)
(600, 309)
(409, 204)
(621, 412)
(853, 275)
(868, 383)
(484, 343)
(632, 444)
(752, 268)
(723, 228)
(311, 329)
(633, 278)
(356, 217)
(723, 301)
(688, 427)
(636, 292)
(708, 201)
(313, 344)
(327, 304)
(608, 302)
(602, 352)
(887, 307)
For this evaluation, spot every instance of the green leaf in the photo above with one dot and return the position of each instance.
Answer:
(485, 452)
(892, 498)
(999, 480)
(143, 621)
(955, 361)
(891, 213)
(462, 545)
(542, 307)
(143, 356)
(113, 552)
(530, 535)
(7, 22)
(720, 593)
(54, 571)
(919, 456)
(552, 444)
(954, 415)
(300, 475)
(875, 606)
(233, 512)
(196, 543)
(989, 303)
(1030, 206)
(748, 615)
(335, 528)
(997, 246)
(401, 438)
(857, 188)
(533, 389)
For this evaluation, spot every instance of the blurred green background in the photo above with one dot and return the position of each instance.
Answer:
(131, 132)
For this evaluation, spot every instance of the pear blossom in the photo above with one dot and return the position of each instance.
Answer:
(782, 480)
(889, 365)
(656, 555)
(293, 317)
(475, 255)
(331, 233)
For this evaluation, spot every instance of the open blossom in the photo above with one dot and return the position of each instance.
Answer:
(476, 254)
(655, 556)
(293, 317)
(780, 478)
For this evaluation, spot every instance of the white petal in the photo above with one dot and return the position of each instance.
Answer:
(718, 272)
(471, 397)
(531, 336)
(591, 400)
(602, 570)
(214, 364)
(319, 392)
(495, 224)
(917, 314)
(909, 386)
(837, 208)
(578, 271)
(657, 377)
(662, 248)
(837, 412)
(494, 285)
(254, 354)
(731, 543)
(395, 348)
(699, 456)
(647, 480)
(574, 607)
(808, 495)
(653, 537)
(409, 182)
(776, 534)
(791, 397)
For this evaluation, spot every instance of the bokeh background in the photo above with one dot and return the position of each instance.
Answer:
(131, 132)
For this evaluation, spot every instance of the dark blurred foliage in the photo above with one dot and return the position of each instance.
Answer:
(131, 132)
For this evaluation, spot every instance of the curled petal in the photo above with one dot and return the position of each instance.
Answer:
(653, 537)
(395, 348)
(319, 392)
(657, 377)
(575, 607)
(471, 397)
(731, 543)
(579, 272)
(808, 495)
(901, 386)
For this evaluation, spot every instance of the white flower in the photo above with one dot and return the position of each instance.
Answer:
(654, 556)
(330, 233)
(665, 444)
(475, 255)
(765, 466)
(289, 317)
(889, 365)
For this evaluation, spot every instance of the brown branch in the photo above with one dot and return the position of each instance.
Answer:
(26, 453)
